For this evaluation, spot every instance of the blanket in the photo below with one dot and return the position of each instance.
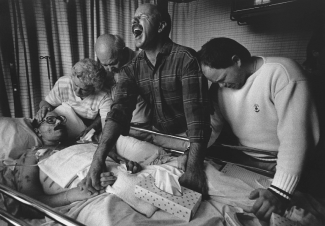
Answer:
(227, 195)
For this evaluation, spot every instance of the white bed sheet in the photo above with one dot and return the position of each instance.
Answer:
(227, 194)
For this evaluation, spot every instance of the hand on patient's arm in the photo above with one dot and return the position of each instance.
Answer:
(91, 182)
(266, 203)
(44, 108)
(110, 134)
(194, 177)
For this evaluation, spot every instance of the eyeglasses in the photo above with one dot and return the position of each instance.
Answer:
(52, 119)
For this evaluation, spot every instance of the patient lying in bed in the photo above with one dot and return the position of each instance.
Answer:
(24, 177)
(23, 174)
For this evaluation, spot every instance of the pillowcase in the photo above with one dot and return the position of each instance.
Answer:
(171, 143)
(74, 124)
(16, 136)
(139, 151)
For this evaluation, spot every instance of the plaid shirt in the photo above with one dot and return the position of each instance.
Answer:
(175, 87)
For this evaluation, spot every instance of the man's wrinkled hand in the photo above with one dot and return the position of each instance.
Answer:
(196, 180)
(266, 203)
(92, 181)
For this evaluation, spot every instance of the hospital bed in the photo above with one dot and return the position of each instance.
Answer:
(227, 195)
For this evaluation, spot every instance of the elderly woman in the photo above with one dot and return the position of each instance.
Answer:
(82, 91)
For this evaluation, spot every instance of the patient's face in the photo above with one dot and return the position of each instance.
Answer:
(53, 129)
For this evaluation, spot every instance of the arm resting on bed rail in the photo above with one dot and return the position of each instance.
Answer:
(39, 206)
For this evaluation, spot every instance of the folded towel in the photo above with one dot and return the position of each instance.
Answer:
(63, 166)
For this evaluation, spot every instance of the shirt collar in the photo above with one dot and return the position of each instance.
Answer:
(165, 50)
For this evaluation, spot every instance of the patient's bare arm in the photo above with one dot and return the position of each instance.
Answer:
(30, 184)
(194, 176)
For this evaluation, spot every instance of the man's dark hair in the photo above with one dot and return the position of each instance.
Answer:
(218, 52)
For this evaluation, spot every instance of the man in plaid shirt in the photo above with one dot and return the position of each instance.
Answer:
(169, 78)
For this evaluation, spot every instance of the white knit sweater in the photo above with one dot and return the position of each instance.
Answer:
(273, 111)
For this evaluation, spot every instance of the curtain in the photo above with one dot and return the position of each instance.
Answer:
(40, 40)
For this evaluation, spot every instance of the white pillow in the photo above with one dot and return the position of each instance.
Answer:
(171, 143)
(136, 150)
(16, 136)
(74, 124)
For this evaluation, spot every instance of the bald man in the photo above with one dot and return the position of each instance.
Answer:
(113, 54)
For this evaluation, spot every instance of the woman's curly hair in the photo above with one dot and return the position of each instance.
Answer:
(90, 73)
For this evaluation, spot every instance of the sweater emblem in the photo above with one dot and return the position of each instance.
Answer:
(256, 107)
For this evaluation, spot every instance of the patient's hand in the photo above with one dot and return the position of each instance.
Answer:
(266, 203)
(107, 178)
(91, 183)
(134, 167)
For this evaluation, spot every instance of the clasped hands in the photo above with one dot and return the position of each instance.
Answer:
(98, 178)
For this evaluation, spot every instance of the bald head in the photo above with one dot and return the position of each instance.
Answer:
(109, 49)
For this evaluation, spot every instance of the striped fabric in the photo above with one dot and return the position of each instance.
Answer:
(66, 32)
(88, 108)
(179, 95)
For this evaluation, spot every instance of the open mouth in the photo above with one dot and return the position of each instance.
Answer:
(137, 31)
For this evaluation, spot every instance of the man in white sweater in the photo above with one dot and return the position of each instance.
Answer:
(267, 103)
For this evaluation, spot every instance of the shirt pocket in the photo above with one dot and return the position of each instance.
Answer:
(169, 84)
(171, 89)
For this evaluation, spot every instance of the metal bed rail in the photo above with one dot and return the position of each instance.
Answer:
(239, 148)
(216, 146)
(24, 199)
(65, 220)
(11, 219)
